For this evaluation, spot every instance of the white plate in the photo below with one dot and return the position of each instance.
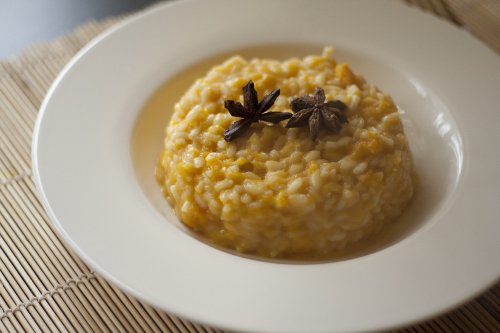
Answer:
(446, 81)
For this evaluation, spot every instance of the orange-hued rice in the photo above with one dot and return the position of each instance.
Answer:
(273, 191)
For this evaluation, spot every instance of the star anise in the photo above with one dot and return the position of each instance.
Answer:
(314, 111)
(252, 111)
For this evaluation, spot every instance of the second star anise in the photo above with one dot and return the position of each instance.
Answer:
(312, 110)
(252, 111)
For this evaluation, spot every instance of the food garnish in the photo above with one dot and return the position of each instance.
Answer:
(312, 110)
(252, 111)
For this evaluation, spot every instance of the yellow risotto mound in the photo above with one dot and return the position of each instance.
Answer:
(274, 192)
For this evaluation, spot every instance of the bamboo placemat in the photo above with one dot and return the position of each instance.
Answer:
(45, 287)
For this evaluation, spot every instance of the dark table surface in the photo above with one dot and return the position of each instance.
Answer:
(24, 22)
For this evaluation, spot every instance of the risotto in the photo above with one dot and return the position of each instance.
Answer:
(274, 191)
